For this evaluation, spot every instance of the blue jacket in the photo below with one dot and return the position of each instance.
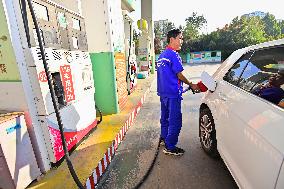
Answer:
(169, 65)
(272, 94)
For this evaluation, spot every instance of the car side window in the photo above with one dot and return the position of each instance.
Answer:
(264, 74)
(233, 75)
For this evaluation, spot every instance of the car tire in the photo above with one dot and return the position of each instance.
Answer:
(207, 133)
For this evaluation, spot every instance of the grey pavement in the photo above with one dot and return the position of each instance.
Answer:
(136, 152)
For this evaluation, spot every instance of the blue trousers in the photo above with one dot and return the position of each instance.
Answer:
(171, 121)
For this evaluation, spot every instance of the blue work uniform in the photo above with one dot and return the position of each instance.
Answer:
(170, 88)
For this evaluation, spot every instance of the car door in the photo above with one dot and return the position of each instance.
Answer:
(250, 128)
(229, 127)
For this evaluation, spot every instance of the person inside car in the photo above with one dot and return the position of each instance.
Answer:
(272, 91)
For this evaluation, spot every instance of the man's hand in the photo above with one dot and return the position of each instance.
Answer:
(183, 78)
(194, 86)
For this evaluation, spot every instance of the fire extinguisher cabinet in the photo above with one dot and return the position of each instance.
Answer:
(18, 166)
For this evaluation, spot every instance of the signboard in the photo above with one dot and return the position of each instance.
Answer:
(143, 54)
(205, 57)
(8, 65)
(120, 77)
(67, 83)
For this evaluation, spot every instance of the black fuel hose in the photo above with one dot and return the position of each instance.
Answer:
(25, 20)
(101, 115)
(187, 89)
(144, 178)
(56, 108)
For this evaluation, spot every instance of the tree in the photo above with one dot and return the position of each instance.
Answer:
(157, 45)
(240, 32)
(193, 26)
(272, 27)
(161, 29)
(248, 31)
(169, 26)
(281, 23)
(191, 31)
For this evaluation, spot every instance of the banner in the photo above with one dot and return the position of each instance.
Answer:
(67, 83)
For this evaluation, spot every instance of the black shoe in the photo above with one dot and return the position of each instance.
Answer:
(162, 142)
(176, 152)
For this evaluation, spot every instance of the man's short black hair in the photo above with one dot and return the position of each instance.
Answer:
(173, 33)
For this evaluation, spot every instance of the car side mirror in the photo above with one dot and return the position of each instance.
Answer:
(208, 81)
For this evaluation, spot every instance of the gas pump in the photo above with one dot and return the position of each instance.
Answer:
(131, 68)
(65, 44)
(64, 39)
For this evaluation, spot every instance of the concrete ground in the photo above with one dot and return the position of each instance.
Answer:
(136, 153)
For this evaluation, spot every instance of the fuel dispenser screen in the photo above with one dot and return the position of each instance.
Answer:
(41, 11)
(46, 17)
(76, 24)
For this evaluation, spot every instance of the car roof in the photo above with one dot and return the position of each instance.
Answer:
(260, 46)
(239, 52)
(266, 44)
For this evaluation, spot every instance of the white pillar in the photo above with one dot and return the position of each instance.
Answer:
(148, 38)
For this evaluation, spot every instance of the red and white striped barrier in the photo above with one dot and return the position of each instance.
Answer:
(93, 180)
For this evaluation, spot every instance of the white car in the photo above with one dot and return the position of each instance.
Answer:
(242, 120)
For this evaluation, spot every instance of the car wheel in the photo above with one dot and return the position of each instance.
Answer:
(207, 133)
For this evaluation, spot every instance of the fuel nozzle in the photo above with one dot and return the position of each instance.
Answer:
(187, 89)
(201, 88)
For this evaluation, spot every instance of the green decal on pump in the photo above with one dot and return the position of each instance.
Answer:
(62, 20)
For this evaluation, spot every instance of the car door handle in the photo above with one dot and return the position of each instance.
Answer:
(222, 96)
